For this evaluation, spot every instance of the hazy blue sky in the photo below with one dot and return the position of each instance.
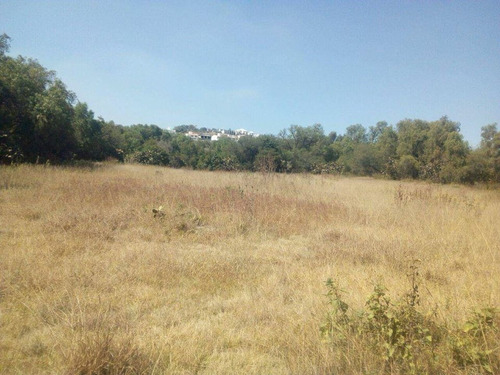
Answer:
(264, 65)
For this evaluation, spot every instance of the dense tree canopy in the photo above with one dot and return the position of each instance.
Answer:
(41, 120)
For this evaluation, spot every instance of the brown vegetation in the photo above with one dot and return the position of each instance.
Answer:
(227, 274)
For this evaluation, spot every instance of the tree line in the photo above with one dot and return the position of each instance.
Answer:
(41, 120)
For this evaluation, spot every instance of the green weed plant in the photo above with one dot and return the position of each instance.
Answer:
(408, 341)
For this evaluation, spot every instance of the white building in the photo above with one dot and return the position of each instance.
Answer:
(193, 135)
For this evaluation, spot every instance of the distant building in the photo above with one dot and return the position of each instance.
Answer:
(221, 133)
(241, 132)
(193, 135)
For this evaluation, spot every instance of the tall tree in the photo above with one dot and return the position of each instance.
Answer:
(53, 112)
(412, 135)
(4, 44)
(377, 130)
(357, 133)
(23, 84)
(88, 133)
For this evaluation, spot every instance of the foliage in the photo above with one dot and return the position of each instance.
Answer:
(41, 120)
(474, 344)
(405, 339)
(153, 156)
(338, 322)
(408, 167)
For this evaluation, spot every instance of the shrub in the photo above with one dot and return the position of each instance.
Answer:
(473, 345)
(154, 156)
(408, 341)
(407, 167)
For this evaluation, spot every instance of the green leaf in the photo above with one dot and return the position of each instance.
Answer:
(468, 327)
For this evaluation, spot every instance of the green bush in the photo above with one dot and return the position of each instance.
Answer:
(153, 156)
(407, 167)
(407, 341)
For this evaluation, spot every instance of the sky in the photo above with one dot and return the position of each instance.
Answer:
(265, 65)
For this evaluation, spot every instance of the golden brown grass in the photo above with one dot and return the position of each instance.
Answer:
(230, 276)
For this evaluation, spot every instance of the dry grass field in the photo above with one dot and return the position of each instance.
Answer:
(228, 275)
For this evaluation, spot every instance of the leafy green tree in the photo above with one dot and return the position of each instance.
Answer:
(488, 134)
(490, 151)
(151, 153)
(408, 167)
(133, 140)
(387, 144)
(113, 141)
(148, 131)
(184, 152)
(477, 168)
(435, 157)
(303, 137)
(267, 160)
(36, 111)
(4, 44)
(22, 83)
(88, 132)
(365, 160)
(136, 135)
(302, 149)
(455, 152)
(332, 137)
(249, 148)
(307, 137)
(39, 120)
(166, 136)
(356, 155)
(185, 128)
(53, 112)
(10, 148)
(412, 135)
(332, 152)
(357, 133)
(344, 148)
(377, 130)
(223, 154)
(496, 157)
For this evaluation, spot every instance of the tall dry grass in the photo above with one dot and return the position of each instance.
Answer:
(229, 275)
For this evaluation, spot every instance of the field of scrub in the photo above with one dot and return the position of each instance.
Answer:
(124, 269)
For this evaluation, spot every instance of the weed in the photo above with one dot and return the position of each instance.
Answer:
(101, 353)
(475, 344)
(233, 281)
(338, 320)
(405, 339)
